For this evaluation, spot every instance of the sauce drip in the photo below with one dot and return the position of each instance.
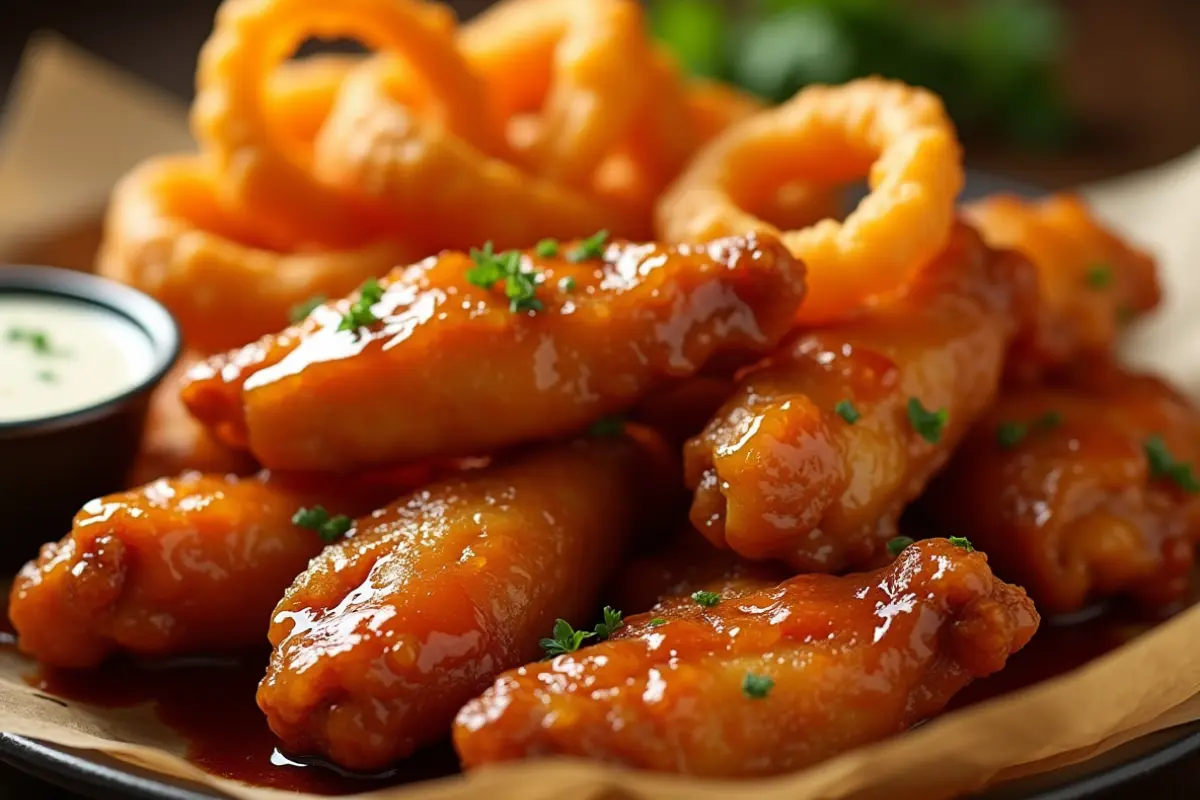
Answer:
(211, 703)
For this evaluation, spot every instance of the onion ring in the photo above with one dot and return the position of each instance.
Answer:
(258, 170)
(436, 185)
(899, 136)
(167, 234)
(583, 62)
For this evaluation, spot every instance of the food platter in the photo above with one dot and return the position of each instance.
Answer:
(97, 776)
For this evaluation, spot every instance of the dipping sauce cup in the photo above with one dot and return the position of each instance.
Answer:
(79, 356)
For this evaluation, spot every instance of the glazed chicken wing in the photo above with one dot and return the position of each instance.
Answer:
(824, 443)
(449, 369)
(389, 632)
(765, 681)
(1082, 491)
(1091, 282)
(192, 564)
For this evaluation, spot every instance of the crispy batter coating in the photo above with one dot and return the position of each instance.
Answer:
(192, 564)
(686, 563)
(173, 442)
(449, 369)
(388, 633)
(780, 473)
(849, 661)
(1091, 282)
(1057, 485)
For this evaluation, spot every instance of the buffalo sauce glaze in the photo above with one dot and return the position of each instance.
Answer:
(211, 703)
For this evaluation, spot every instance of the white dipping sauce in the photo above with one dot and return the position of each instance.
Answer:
(59, 355)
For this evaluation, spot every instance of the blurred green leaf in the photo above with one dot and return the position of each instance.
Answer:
(793, 48)
(696, 30)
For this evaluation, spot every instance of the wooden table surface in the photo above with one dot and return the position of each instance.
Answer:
(1132, 72)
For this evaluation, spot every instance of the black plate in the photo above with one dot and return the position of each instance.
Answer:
(97, 776)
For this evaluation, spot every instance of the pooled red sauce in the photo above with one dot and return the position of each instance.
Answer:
(211, 704)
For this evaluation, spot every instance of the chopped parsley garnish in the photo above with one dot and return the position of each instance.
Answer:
(300, 311)
(567, 284)
(565, 639)
(359, 315)
(928, 424)
(1099, 276)
(37, 339)
(846, 410)
(330, 529)
(490, 268)
(607, 426)
(963, 542)
(1164, 465)
(1049, 421)
(547, 248)
(756, 687)
(46, 376)
(1010, 434)
(654, 623)
(706, 599)
(897, 545)
(589, 248)
(612, 623)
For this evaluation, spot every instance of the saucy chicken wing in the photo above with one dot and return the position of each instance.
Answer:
(814, 457)
(173, 442)
(1091, 282)
(765, 681)
(389, 632)
(1082, 491)
(434, 363)
(192, 564)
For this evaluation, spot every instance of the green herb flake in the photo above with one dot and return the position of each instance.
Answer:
(300, 311)
(46, 376)
(520, 287)
(607, 426)
(1099, 276)
(1163, 465)
(654, 623)
(567, 285)
(1010, 434)
(1049, 421)
(898, 545)
(330, 529)
(565, 639)
(359, 315)
(756, 687)
(846, 410)
(589, 248)
(706, 599)
(612, 623)
(39, 340)
(929, 424)
(547, 248)
(963, 542)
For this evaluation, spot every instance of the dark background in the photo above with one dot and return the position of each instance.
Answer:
(1130, 70)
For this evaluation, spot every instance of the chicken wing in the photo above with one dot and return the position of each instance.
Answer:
(765, 681)
(814, 457)
(388, 633)
(442, 366)
(173, 442)
(180, 565)
(1082, 491)
(1091, 282)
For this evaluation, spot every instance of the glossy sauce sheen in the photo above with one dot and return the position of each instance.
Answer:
(389, 632)
(852, 660)
(84, 354)
(180, 565)
(1073, 511)
(779, 473)
(450, 370)
(211, 704)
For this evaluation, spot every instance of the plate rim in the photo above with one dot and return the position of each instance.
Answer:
(96, 775)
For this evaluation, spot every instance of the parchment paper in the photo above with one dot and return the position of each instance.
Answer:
(75, 125)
